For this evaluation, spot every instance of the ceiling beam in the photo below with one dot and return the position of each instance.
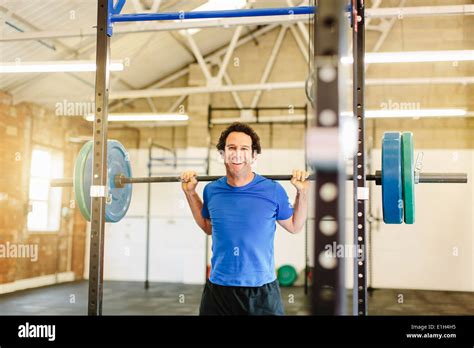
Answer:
(153, 27)
(177, 91)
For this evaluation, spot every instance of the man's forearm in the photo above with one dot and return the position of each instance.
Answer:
(300, 210)
(195, 204)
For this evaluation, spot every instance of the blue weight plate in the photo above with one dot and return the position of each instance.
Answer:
(120, 198)
(392, 199)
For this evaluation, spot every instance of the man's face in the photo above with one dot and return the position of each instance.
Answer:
(238, 154)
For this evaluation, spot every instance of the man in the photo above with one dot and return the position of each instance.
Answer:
(239, 211)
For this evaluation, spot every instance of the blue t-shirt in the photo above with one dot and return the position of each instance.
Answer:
(243, 229)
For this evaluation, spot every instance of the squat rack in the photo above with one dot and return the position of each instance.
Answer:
(328, 291)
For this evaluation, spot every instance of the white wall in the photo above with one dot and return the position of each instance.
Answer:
(419, 256)
(422, 256)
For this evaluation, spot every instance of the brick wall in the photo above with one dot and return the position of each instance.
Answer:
(22, 127)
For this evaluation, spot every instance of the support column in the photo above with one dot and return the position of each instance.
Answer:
(325, 153)
(99, 161)
(361, 193)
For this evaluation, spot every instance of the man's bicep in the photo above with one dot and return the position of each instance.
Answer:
(285, 208)
(208, 228)
(287, 224)
(205, 201)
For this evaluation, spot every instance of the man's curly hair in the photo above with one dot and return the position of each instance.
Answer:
(243, 128)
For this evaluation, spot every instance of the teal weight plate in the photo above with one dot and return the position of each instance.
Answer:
(81, 194)
(408, 177)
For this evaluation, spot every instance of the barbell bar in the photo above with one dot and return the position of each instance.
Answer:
(120, 180)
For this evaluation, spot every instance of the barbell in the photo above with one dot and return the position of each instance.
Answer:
(397, 178)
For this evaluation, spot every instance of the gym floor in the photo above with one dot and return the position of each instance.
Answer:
(130, 298)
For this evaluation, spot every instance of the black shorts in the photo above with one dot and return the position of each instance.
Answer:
(241, 300)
